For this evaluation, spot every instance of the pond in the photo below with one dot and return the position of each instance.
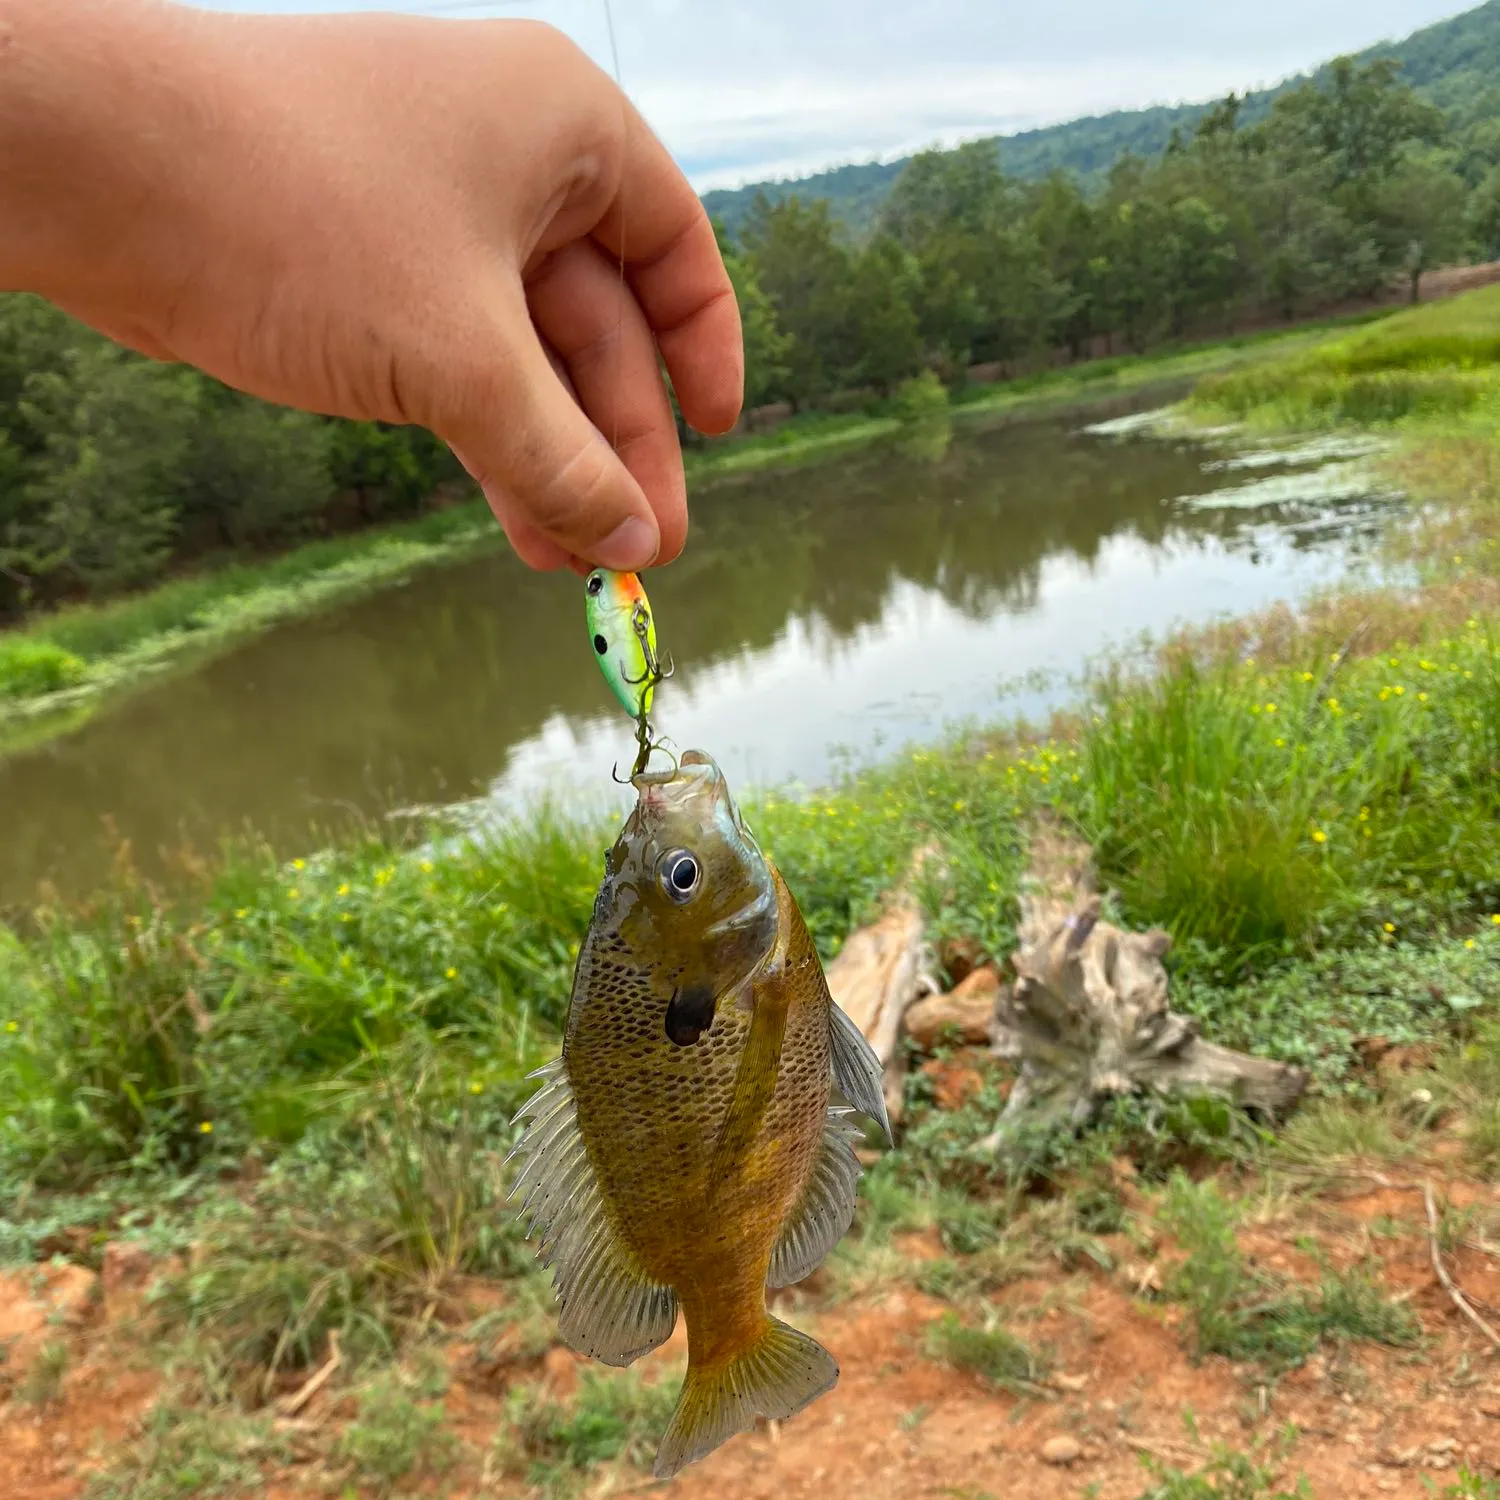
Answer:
(818, 616)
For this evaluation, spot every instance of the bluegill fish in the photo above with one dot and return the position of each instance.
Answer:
(683, 1151)
(622, 631)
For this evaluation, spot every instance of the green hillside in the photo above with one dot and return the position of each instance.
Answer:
(1454, 63)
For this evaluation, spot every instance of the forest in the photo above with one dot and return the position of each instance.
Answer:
(1453, 64)
(116, 472)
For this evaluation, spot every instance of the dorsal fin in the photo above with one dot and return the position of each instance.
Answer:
(824, 1212)
(857, 1073)
(609, 1308)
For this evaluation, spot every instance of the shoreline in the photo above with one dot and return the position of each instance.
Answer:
(109, 647)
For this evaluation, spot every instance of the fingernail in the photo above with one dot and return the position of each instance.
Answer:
(633, 544)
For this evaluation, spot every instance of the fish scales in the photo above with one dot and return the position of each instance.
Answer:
(651, 1114)
(684, 1153)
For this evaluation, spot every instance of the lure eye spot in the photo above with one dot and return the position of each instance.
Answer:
(595, 585)
(689, 1015)
(600, 645)
(679, 874)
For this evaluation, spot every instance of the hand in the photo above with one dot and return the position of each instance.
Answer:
(377, 216)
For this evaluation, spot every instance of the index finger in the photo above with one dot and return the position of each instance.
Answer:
(657, 226)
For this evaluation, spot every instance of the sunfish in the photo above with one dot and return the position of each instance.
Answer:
(683, 1150)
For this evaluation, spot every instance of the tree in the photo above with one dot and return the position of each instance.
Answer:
(882, 334)
(804, 271)
(1421, 209)
(767, 348)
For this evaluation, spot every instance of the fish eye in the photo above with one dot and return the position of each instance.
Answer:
(595, 583)
(679, 873)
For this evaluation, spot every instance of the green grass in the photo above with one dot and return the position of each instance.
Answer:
(1245, 1315)
(615, 1417)
(993, 1353)
(186, 1451)
(1427, 365)
(1226, 1476)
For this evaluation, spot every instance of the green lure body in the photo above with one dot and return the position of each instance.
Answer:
(622, 632)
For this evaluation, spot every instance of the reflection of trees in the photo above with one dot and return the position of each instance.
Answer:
(416, 692)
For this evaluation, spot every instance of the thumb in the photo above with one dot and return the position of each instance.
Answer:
(545, 469)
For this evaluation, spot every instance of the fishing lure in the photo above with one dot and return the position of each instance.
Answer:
(622, 631)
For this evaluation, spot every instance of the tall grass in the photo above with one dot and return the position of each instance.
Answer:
(1428, 364)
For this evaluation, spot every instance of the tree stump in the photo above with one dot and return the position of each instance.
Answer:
(1088, 1014)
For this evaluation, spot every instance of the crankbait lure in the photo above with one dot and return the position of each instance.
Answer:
(622, 632)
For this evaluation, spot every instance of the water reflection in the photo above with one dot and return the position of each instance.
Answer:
(864, 604)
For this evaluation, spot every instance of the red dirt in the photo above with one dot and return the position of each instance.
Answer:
(1371, 1421)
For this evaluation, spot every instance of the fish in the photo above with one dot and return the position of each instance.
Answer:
(686, 1151)
(622, 631)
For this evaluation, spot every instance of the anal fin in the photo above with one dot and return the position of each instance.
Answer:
(779, 1374)
(609, 1309)
(857, 1073)
(822, 1215)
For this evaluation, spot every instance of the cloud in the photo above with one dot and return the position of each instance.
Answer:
(743, 91)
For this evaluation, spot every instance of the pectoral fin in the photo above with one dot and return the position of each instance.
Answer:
(609, 1308)
(822, 1215)
(857, 1073)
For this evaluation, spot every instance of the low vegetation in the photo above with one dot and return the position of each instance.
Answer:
(290, 1082)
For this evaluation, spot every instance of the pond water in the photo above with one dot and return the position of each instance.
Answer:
(835, 613)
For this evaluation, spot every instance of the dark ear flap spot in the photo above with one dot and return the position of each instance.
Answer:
(690, 1014)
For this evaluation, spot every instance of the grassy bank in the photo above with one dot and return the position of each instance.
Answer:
(54, 669)
(291, 1085)
(56, 666)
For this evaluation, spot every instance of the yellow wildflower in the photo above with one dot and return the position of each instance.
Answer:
(12, 1026)
(1280, 743)
(206, 1127)
(426, 867)
(476, 1087)
(299, 864)
(344, 889)
(241, 912)
(450, 974)
(1307, 677)
(1389, 926)
(294, 893)
(958, 807)
(1270, 708)
(1468, 942)
(1319, 837)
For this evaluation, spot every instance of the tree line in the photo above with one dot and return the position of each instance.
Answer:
(1347, 183)
(115, 470)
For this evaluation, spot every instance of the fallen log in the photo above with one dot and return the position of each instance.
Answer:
(878, 973)
(1088, 1013)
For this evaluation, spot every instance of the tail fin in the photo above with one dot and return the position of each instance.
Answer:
(776, 1377)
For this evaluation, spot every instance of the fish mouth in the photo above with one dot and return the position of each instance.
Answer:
(703, 767)
(685, 787)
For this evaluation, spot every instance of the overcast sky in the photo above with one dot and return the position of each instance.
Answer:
(742, 91)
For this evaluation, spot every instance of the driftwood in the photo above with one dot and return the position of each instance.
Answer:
(966, 1014)
(1088, 1014)
(879, 972)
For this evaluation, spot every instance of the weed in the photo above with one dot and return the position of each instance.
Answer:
(187, 1452)
(43, 1380)
(1226, 1476)
(613, 1417)
(395, 1437)
(1247, 1316)
(992, 1352)
(29, 668)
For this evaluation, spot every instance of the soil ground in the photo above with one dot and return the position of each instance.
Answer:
(1356, 1420)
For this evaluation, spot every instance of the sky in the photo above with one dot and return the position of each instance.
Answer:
(742, 92)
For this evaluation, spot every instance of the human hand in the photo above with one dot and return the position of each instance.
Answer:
(382, 217)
